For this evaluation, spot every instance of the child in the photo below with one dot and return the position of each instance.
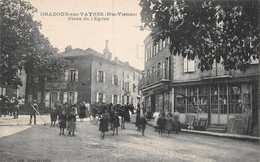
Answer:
(168, 123)
(143, 122)
(161, 123)
(115, 123)
(103, 126)
(72, 123)
(62, 121)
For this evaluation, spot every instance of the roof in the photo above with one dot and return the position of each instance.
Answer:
(91, 52)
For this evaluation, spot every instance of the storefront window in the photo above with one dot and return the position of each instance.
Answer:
(192, 100)
(223, 99)
(214, 100)
(180, 99)
(204, 99)
(246, 98)
(235, 103)
(166, 101)
(158, 102)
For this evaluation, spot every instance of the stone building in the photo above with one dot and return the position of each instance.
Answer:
(89, 76)
(174, 83)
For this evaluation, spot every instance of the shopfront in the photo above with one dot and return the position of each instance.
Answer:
(216, 102)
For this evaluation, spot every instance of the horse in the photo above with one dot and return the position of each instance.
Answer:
(123, 112)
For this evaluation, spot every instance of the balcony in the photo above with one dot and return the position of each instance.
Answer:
(160, 75)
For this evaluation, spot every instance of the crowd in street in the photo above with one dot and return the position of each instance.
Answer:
(9, 106)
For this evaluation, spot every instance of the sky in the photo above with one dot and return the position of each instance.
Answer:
(81, 29)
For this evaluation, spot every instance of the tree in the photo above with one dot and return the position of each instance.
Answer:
(213, 31)
(22, 44)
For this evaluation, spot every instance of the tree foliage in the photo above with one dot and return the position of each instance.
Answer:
(225, 32)
(22, 44)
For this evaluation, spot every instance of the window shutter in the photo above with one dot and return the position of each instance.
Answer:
(4, 91)
(185, 60)
(104, 97)
(112, 99)
(47, 99)
(0, 90)
(77, 75)
(65, 97)
(97, 76)
(97, 97)
(104, 77)
(191, 67)
(75, 97)
(117, 99)
(113, 78)
(66, 75)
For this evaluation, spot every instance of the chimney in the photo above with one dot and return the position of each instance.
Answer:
(116, 59)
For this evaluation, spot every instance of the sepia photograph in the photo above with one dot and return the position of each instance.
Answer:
(129, 80)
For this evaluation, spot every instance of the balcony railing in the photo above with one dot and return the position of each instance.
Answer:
(162, 74)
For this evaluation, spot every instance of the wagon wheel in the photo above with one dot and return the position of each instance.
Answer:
(94, 119)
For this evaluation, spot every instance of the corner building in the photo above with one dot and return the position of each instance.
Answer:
(175, 83)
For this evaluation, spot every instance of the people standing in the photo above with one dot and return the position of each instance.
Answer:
(176, 122)
(115, 123)
(82, 111)
(87, 105)
(168, 123)
(103, 127)
(161, 123)
(72, 123)
(33, 111)
(62, 121)
(15, 105)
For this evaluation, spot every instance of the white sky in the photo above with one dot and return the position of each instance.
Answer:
(122, 33)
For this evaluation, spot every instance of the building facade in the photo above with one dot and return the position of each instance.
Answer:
(174, 83)
(90, 76)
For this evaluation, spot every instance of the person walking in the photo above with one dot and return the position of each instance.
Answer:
(33, 111)
(137, 122)
(87, 105)
(142, 124)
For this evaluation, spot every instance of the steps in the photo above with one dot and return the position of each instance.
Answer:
(217, 128)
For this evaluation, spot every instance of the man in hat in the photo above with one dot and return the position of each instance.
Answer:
(33, 111)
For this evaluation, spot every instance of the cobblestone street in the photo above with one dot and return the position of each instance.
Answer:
(22, 142)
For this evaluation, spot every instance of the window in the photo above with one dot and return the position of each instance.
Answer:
(134, 87)
(127, 75)
(47, 99)
(204, 99)
(235, 99)
(157, 48)
(72, 97)
(71, 75)
(166, 68)
(114, 99)
(39, 97)
(133, 76)
(123, 74)
(2, 91)
(127, 86)
(123, 85)
(163, 43)
(114, 80)
(192, 100)
(101, 97)
(188, 65)
(65, 97)
(100, 76)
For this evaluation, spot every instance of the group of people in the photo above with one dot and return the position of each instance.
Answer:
(167, 123)
(107, 118)
(66, 115)
(9, 106)
(140, 120)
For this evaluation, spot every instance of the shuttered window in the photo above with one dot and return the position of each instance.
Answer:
(47, 99)
(65, 97)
